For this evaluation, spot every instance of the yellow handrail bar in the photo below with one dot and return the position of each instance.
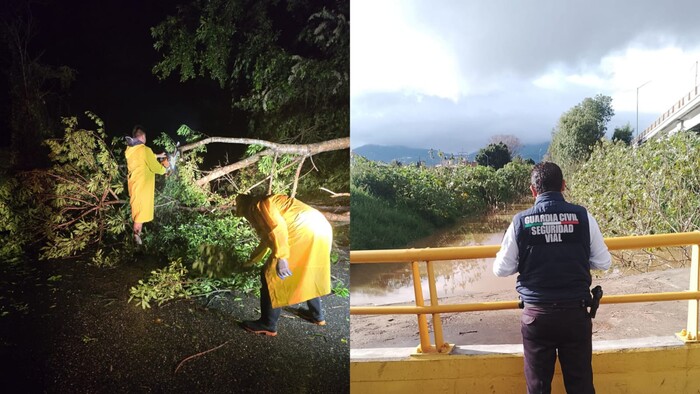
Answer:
(501, 305)
(487, 251)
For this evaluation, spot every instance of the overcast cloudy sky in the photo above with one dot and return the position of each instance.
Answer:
(449, 74)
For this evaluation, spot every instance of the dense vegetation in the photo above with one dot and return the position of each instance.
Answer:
(419, 198)
(650, 189)
(286, 66)
(78, 207)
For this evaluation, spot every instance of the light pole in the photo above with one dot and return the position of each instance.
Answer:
(639, 87)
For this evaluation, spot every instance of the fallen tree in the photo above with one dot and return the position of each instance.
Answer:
(274, 149)
(79, 205)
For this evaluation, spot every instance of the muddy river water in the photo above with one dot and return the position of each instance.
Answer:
(380, 284)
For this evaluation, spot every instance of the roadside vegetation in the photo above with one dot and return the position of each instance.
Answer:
(394, 204)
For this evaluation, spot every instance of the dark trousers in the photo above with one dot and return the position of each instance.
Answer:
(270, 315)
(548, 332)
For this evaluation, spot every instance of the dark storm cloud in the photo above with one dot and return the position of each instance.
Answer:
(426, 121)
(527, 37)
(501, 47)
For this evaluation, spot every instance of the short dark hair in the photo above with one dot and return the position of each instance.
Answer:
(245, 203)
(138, 131)
(546, 177)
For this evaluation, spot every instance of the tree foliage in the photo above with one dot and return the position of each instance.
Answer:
(15, 208)
(650, 189)
(494, 155)
(378, 223)
(578, 131)
(623, 134)
(286, 63)
(77, 199)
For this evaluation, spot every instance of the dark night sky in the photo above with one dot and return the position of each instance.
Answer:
(110, 46)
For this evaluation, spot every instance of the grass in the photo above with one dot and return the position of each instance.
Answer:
(378, 224)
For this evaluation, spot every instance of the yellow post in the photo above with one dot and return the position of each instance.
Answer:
(437, 323)
(690, 334)
(422, 320)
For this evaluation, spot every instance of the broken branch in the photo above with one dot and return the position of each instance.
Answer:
(200, 354)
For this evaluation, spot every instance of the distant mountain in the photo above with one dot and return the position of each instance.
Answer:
(405, 155)
(389, 153)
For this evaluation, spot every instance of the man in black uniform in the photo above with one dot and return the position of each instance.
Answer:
(553, 246)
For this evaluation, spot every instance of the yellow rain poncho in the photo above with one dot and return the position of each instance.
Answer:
(300, 234)
(143, 167)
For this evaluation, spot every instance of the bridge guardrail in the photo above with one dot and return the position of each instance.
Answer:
(430, 255)
(685, 100)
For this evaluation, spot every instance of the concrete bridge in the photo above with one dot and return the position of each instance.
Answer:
(683, 115)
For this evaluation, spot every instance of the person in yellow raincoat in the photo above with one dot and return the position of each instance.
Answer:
(298, 268)
(143, 166)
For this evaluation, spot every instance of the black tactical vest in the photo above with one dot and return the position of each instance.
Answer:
(554, 249)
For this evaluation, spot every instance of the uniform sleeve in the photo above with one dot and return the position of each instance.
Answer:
(276, 228)
(506, 262)
(152, 162)
(600, 257)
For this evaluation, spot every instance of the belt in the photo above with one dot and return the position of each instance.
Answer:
(557, 305)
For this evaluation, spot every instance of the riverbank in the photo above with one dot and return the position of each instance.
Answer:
(613, 321)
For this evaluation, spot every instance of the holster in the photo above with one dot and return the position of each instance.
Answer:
(597, 293)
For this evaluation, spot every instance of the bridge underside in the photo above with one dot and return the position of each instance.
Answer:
(647, 365)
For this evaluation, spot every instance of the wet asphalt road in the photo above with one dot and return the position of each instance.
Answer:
(78, 334)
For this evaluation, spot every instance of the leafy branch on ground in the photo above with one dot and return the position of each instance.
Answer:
(340, 289)
(173, 282)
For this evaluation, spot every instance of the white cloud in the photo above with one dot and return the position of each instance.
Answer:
(390, 54)
(662, 75)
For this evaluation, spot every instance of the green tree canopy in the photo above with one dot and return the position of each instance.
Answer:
(494, 155)
(623, 134)
(286, 63)
(578, 131)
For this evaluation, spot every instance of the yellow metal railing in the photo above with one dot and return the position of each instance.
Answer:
(415, 256)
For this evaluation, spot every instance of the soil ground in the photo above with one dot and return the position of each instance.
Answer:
(613, 321)
(67, 327)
